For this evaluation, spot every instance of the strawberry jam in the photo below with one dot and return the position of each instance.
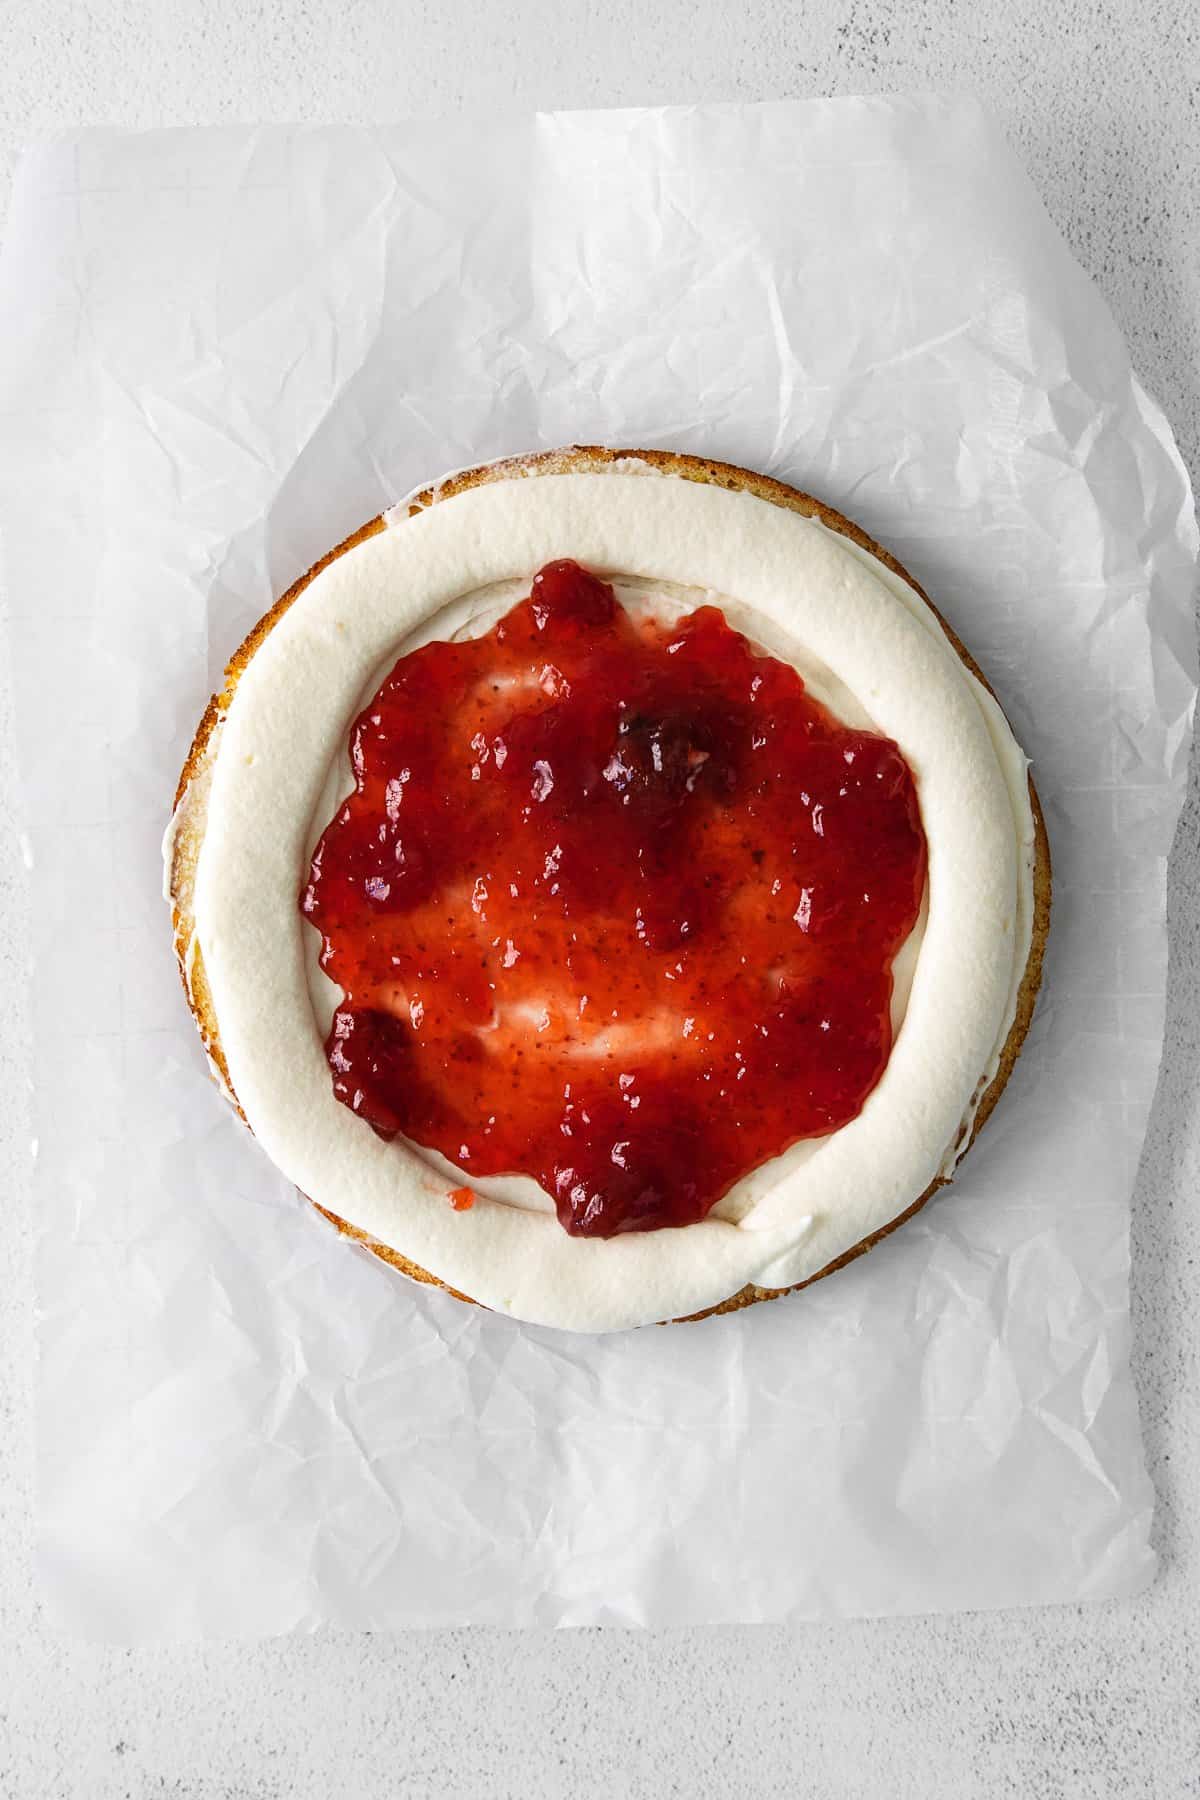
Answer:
(614, 904)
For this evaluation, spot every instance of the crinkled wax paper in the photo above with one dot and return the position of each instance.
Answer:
(222, 350)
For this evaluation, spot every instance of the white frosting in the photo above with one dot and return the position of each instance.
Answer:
(800, 588)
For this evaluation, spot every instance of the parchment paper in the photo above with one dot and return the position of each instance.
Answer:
(222, 350)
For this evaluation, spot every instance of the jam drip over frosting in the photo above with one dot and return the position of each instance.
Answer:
(614, 905)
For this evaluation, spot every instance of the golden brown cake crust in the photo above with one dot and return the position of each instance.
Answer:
(191, 796)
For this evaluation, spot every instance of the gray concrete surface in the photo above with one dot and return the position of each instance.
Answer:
(1065, 1702)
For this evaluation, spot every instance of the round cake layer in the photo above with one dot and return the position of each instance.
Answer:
(281, 731)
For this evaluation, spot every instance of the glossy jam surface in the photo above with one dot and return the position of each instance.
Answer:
(613, 905)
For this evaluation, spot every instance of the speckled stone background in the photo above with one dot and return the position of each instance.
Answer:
(1105, 107)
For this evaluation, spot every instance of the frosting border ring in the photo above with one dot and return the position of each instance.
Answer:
(192, 818)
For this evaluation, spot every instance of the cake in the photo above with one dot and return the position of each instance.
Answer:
(638, 733)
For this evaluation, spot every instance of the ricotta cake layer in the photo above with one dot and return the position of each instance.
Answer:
(269, 768)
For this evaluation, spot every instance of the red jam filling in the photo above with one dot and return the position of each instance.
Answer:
(614, 904)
